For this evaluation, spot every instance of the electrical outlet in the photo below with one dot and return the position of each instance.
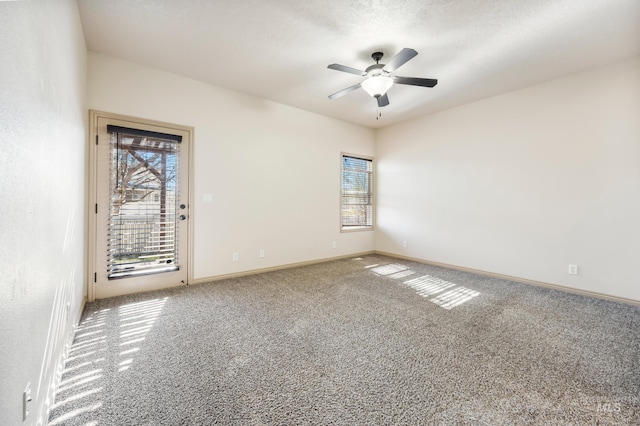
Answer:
(261, 253)
(26, 402)
(404, 244)
(235, 257)
(334, 244)
(573, 269)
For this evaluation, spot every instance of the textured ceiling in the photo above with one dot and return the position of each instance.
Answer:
(280, 49)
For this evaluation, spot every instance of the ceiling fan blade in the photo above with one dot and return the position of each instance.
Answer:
(344, 91)
(383, 100)
(345, 68)
(400, 59)
(415, 81)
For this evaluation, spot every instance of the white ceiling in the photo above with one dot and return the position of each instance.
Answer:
(280, 49)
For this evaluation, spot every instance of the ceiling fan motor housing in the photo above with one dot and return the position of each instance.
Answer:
(375, 69)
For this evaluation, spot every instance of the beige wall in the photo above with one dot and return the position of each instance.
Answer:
(42, 163)
(272, 171)
(523, 184)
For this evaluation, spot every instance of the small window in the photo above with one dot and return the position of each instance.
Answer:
(356, 209)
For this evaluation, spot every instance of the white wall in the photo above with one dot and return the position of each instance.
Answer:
(523, 184)
(42, 175)
(273, 171)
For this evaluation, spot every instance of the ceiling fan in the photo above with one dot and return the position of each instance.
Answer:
(380, 78)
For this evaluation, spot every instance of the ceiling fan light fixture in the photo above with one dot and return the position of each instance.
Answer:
(377, 86)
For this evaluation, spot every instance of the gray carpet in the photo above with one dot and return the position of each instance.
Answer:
(367, 341)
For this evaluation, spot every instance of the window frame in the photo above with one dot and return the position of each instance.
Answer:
(358, 228)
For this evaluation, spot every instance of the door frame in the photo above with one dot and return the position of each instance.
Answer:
(92, 197)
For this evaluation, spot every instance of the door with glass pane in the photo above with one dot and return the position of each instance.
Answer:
(142, 214)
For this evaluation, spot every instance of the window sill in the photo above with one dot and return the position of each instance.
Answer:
(356, 228)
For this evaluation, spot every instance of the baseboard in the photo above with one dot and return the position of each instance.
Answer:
(566, 289)
(276, 268)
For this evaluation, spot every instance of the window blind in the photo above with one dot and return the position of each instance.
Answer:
(142, 231)
(357, 192)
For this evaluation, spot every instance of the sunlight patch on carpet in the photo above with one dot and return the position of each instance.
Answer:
(449, 295)
(392, 270)
(428, 285)
(136, 319)
(455, 297)
(76, 412)
(83, 375)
